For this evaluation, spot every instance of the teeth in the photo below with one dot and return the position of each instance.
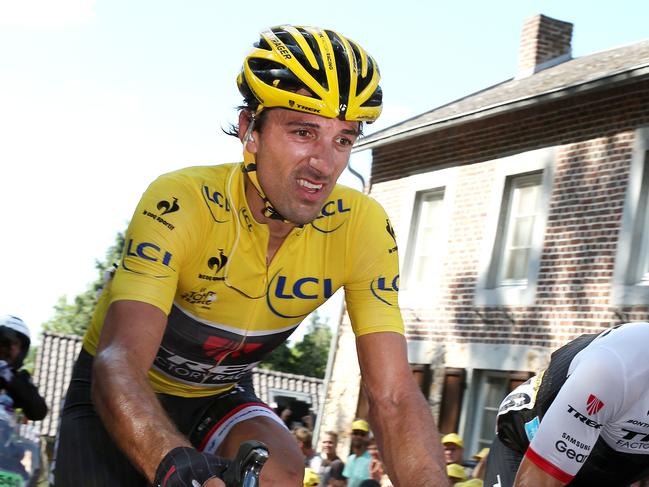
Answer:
(308, 185)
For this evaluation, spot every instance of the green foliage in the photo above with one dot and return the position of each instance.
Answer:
(306, 357)
(74, 317)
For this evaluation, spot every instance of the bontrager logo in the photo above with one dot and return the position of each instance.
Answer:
(593, 405)
(168, 207)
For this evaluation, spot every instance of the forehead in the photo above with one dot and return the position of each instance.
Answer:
(284, 116)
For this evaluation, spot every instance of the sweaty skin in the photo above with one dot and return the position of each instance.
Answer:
(299, 158)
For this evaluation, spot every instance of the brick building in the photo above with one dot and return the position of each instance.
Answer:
(522, 217)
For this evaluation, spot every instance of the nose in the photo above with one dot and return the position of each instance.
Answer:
(322, 158)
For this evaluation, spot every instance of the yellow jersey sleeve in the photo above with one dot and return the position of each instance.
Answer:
(371, 290)
(167, 222)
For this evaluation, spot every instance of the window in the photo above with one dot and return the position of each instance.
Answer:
(521, 212)
(425, 242)
(639, 274)
(490, 394)
(515, 229)
(631, 274)
(428, 200)
(491, 388)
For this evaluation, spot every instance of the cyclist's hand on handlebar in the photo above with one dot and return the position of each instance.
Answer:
(214, 483)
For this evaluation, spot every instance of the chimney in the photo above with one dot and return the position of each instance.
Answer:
(545, 42)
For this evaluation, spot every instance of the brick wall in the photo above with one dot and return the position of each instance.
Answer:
(594, 135)
(543, 39)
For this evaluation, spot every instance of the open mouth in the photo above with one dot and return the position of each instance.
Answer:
(310, 187)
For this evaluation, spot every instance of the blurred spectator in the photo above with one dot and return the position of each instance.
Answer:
(311, 478)
(377, 470)
(357, 468)
(470, 483)
(455, 473)
(453, 448)
(481, 458)
(331, 469)
(15, 382)
(304, 439)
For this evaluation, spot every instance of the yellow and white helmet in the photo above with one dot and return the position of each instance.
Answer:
(340, 77)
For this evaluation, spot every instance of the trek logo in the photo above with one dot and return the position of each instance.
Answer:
(562, 447)
(221, 202)
(641, 440)
(385, 289)
(593, 405)
(307, 109)
(219, 348)
(148, 251)
(390, 230)
(168, 207)
(583, 418)
(285, 297)
(193, 372)
(330, 209)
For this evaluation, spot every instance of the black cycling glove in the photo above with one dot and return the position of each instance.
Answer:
(185, 466)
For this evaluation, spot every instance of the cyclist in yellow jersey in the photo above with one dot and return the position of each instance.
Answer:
(220, 266)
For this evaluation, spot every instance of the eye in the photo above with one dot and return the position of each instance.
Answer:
(302, 132)
(345, 141)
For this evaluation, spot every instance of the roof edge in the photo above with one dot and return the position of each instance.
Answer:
(611, 80)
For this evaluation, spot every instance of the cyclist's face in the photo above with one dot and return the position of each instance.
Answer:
(299, 159)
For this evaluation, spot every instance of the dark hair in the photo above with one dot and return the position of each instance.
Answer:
(233, 128)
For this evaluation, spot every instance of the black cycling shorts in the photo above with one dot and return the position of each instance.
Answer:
(85, 455)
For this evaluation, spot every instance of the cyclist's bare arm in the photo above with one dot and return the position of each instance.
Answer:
(121, 392)
(399, 412)
(529, 475)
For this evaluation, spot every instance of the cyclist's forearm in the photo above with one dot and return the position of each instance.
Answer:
(131, 412)
(408, 441)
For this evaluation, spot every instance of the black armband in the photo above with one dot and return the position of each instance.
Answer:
(185, 466)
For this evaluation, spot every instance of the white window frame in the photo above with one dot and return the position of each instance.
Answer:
(488, 291)
(414, 237)
(628, 288)
(440, 180)
(481, 377)
(478, 359)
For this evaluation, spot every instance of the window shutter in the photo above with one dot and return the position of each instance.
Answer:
(452, 395)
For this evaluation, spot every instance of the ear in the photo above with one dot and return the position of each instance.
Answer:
(244, 124)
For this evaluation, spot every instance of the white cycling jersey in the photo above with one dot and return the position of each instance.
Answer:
(605, 395)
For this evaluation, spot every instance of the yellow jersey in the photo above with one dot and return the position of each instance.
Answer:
(194, 250)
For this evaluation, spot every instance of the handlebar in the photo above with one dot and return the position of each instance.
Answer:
(246, 466)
